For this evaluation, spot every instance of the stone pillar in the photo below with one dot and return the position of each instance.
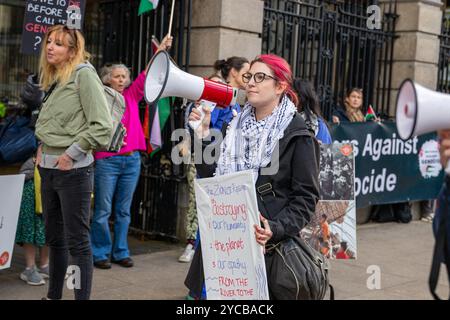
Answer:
(224, 28)
(416, 51)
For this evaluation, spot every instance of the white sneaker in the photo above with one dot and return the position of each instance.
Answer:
(428, 217)
(188, 254)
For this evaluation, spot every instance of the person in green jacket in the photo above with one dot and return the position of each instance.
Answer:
(74, 121)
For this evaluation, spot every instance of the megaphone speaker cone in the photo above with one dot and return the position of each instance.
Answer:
(157, 76)
(406, 109)
(421, 110)
(165, 79)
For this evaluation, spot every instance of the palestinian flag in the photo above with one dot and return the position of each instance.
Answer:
(370, 115)
(147, 5)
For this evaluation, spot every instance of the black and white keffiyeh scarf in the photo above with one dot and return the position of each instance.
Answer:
(249, 144)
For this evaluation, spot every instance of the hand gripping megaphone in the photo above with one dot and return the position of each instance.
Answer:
(420, 110)
(164, 79)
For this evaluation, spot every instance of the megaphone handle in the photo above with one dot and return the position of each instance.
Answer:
(195, 124)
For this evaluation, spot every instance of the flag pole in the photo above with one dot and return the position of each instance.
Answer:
(171, 17)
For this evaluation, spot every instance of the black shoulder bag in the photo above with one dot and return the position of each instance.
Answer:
(295, 270)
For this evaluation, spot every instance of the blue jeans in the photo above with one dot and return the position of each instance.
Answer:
(115, 178)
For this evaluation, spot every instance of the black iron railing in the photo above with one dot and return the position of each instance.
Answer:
(329, 43)
(443, 83)
(14, 66)
(119, 35)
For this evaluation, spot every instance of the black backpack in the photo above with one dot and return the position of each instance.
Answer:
(32, 94)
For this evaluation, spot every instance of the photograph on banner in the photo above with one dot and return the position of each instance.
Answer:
(337, 172)
(233, 262)
(389, 169)
(40, 15)
(11, 188)
(332, 230)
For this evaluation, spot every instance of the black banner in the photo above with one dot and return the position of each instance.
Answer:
(41, 14)
(388, 169)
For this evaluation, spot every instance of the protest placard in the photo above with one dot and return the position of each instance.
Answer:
(233, 261)
(332, 229)
(11, 188)
(41, 14)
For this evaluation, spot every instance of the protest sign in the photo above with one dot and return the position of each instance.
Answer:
(332, 229)
(41, 14)
(233, 261)
(11, 188)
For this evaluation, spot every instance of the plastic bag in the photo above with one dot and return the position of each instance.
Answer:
(17, 141)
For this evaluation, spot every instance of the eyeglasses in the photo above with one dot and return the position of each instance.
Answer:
(258, 77)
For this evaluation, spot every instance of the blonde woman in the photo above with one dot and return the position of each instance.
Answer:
(74, 120)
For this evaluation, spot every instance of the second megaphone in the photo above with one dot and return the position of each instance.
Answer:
(420, 110)
(164, 79)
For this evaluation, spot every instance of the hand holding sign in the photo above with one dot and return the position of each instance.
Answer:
(263, 234)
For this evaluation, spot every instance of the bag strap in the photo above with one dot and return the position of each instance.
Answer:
(441, 246)
(78, 69)
(264, 186)
(331, 292)
(49, 92)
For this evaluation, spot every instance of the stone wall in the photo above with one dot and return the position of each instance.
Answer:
(416, 51)
(224, 28)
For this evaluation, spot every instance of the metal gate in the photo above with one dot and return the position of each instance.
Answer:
(443, 83)
(329, 42)
(122, 36)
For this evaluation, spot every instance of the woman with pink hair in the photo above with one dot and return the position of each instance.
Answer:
(268, 121)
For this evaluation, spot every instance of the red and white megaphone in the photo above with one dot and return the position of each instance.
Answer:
(420, 110)
(164, 79)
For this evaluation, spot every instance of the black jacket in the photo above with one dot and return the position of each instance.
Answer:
(288, 198)
(341, 114)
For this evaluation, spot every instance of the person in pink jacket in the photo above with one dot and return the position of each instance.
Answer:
(117, 174)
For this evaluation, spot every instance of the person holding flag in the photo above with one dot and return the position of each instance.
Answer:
(370, 115)
(117, 174)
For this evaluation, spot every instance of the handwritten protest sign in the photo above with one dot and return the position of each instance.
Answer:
(11, 188)
(233, 261)
(41, 14)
